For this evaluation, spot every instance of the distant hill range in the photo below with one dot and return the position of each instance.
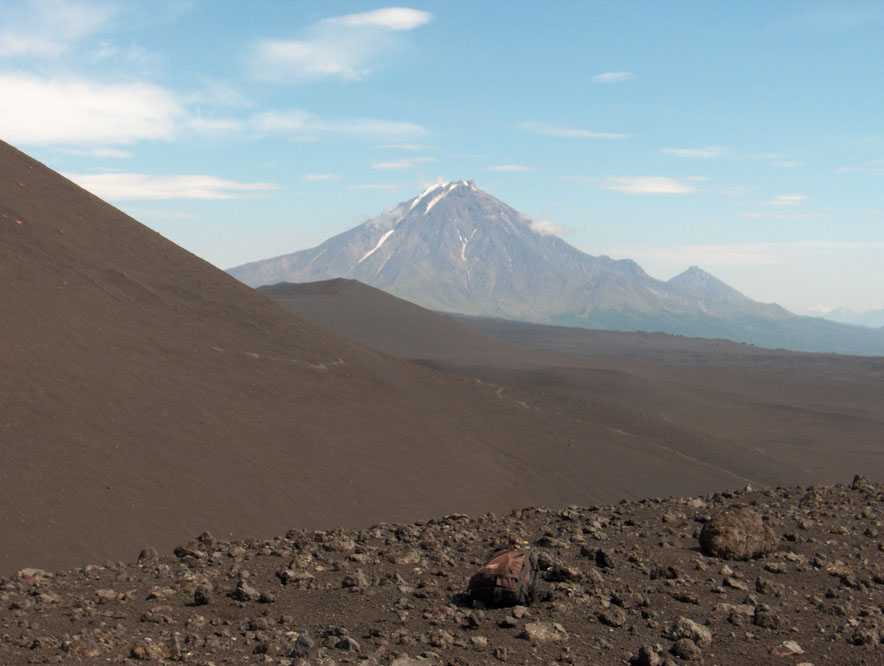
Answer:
(869, 318)
(455, 248)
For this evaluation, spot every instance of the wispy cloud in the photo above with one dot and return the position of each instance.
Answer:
(783, 200)
(319, 177)
(375, 187)
(703, 153)
(303, 123)
(101, 153)
(399, 165)
(647, 185)
(613, 77)
(871, 168)
(343, 47)
(777, 160)
(388, 18)
(48, 28)
(140, 186)
(510, 168)
(405, 146)
(68, 111)
(570, 132)
(547, 228)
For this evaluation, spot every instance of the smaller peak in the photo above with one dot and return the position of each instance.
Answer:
(695, 272)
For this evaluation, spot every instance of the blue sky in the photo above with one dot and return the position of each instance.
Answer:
(747, 138)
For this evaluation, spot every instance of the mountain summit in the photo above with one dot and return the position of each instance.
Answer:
(456, 248)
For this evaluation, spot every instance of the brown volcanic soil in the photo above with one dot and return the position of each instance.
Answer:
(146, 395)
(615, 578)
(761, 416)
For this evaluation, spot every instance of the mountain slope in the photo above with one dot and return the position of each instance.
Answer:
(766, 415)
(388, 324)
(870, 318)
(455, 248)
(146, 395)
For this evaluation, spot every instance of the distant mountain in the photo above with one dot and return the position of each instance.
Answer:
(455, 248)
(869, 318)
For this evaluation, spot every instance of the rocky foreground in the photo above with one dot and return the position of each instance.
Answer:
(622, 584)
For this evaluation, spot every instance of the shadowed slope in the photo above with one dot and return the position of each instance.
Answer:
(388, 324)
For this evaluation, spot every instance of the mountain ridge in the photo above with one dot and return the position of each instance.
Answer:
(455, 248)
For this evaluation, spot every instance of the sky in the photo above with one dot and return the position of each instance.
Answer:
(746, 138)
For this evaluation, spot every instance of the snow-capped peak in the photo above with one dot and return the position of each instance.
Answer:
(423, 194)
(439, 190)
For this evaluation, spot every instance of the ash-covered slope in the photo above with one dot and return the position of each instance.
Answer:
(145, 394)
(391, 325)
(456, 248)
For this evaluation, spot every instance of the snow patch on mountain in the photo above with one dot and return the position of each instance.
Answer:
(376, 247)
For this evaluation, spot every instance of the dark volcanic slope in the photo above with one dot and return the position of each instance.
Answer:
(146, 395)
(614, 578)
(764, 416)
(388, 324)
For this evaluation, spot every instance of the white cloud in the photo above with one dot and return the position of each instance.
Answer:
(139, 186)
(299, 122)
(64, 111)
(570, 132)
(787, 200)
(613, 77)
(510, 168)
(547, 227)
(647, 185)
(339, 47)
(319, 177)
(389, 18)
(48, 28)
(398, 165)
(704, 153)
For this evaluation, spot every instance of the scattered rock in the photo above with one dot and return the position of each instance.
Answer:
(542, 632)
(737, 533)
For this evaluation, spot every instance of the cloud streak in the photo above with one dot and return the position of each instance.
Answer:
(647, 185)
(298, 122)
(704, 153)
(511, 168)
(145, 187)
(399, 165)
(613, 77)
(787, 200)
(389, 18)
(570, 132)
